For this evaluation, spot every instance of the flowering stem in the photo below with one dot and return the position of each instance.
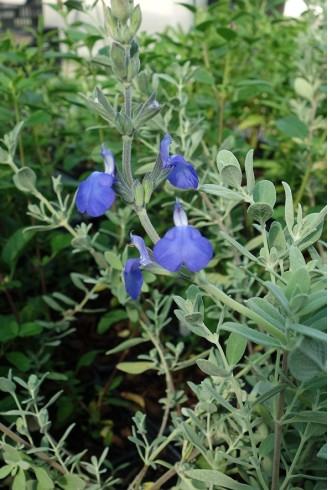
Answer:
(127, 140)
(147, 224)
(126, 159)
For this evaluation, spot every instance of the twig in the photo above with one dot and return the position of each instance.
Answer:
(40, 455)
(278, 427)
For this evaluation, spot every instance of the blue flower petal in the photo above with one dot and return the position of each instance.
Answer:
(183, 174)
(133, 278)
(95, 194)
(183, 245)
(141, 246)
(164, 149)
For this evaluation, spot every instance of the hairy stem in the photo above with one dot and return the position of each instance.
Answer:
(127, 140)
(147, 224)
(278, 428)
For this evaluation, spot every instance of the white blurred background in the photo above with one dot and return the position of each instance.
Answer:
(157, 14)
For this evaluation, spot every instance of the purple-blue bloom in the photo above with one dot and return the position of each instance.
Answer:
(182, 245)
(133, 279)
(95, 194)
(182, 175)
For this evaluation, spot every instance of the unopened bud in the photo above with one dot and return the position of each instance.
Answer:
(138, 192)
(123, 124)
(119, 60)
(122, 9)
(148, 188)
(135, 20)
(111, 23)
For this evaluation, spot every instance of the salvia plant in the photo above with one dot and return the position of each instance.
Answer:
(256, 417)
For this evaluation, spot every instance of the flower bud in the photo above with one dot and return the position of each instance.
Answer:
(133, 68)
(123, 124)
(119, 60)
(111, 23)
(122, 9)
(148, 188)
(138, 192)
(25, 179)
(135, 20)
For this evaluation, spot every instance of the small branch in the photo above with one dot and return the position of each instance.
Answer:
(278, 428)
(9, 433)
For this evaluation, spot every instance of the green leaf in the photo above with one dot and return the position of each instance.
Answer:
(265, 192)
(19, 482)
(59, 241)
(127, 344)
(43, 478)
(211, 369)
(267, 311)
(202, 76)
(292, 127)
(296, 259)
(221, 191)
(15, 246)
(322, 453)
(9, 328)
(270, 393)
(71, 482)
(232, 175)
(250, 179)
(111, 318)
(113, 260)
(30, 329)
(226, 33)
(226, 157)
(239, 247)
(304, 88)
(308, 331)
(289, 209)
(19, 360)
(25, 179)
(38, 118)
(260, 212)
(6, 470)
(251, 334)
(87, 358)
(299, 281)
(235, 348)
(188, 6)
(135, 367)
(308, 359)
(220, 399)
(314, 416)
(276, 237)
(7, 386)
(267, 445)
(213, 477)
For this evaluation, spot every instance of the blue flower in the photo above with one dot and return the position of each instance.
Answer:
(182, 175)
(95, 194)
(133, 278)
(182, 245)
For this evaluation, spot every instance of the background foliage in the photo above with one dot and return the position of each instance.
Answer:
(243, 77)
